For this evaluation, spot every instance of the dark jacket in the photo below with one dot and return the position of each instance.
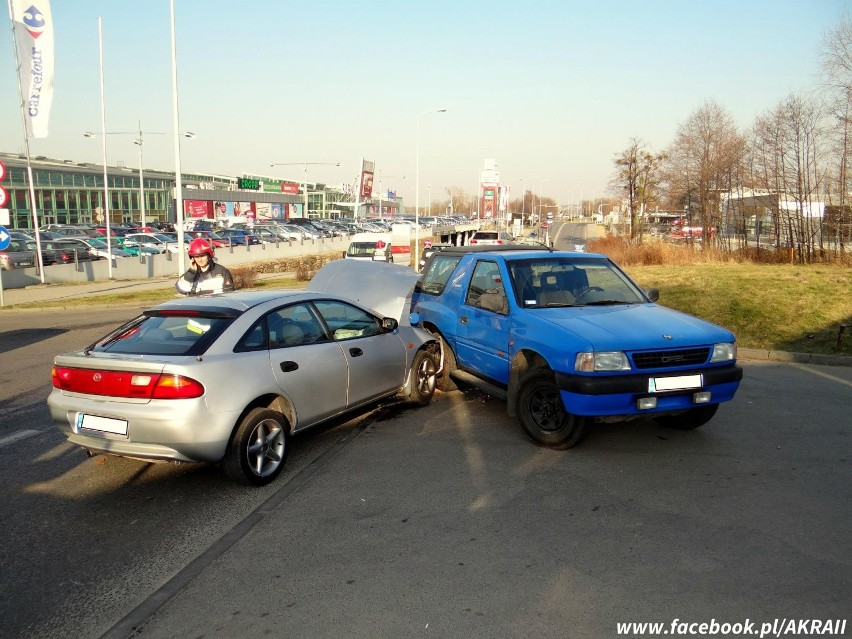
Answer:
(216, 279)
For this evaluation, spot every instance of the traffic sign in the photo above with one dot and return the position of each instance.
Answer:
(5, 238)
(2, 171)
(4, 197)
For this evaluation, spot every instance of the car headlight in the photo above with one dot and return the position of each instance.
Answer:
(603, 361)
(725, 352)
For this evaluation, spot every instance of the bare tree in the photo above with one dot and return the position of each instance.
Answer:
(703, 163)
(788, 145)
(837, 72)
(636, 179)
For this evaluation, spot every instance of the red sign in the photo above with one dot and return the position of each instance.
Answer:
(198, 208)
(4, 197)
(366, 184)
(2, 171)
(289, 187)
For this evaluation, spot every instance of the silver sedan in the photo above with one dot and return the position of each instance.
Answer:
(229, 378)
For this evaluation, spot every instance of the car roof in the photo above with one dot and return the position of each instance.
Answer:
(239, 301)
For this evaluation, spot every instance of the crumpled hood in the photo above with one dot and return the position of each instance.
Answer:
(637, 326)
(384, 288)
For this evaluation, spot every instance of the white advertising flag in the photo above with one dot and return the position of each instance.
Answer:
(33, 26)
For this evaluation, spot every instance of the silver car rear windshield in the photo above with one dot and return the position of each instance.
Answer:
(164, 334)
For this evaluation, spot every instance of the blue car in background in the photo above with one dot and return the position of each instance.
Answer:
(569, 340)
(239, 237)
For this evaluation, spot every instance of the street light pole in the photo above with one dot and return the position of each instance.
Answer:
(417, 191)
(305, 164)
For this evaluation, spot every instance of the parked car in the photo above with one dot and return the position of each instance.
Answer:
(228, 378)
(570, 339)
(490, 237)
(75, 231)
(299, 233)
(18, 254)
(239, 237)
(154, 240)
(376, 247)
(67, 251)
(92, 249)
(100, 248)
(214, 238)
(135, 249)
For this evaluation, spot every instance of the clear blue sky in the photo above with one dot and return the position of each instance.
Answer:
(551, 90)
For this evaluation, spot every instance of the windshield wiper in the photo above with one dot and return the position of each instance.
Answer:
(606, 303)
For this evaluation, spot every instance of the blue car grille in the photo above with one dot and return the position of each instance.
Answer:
(671, 359)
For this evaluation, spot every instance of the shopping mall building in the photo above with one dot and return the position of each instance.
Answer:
(70, 192)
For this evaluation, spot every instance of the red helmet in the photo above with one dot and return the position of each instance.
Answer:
(200, 246)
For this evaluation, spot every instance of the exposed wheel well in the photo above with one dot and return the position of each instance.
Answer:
(523, 361)
(272, 402)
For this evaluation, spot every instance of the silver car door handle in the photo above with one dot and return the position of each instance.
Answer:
(289, 367)
(356, 352)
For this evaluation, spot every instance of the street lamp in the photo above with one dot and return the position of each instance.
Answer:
(306, 164)
(138, 142)
(417, 190)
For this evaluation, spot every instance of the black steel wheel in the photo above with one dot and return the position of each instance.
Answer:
(542, 414)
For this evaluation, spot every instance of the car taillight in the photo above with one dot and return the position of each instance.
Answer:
(473, 241)
(125, 384)
(177, 387)
(499, 241)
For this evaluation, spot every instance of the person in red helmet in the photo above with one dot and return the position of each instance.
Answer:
(204, 276)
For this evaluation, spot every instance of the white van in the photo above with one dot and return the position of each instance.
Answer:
(370, 246)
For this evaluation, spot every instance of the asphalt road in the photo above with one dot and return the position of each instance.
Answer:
(443, 521)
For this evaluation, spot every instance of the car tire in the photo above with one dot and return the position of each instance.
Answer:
(258, 448)
(446, 383)
(423, 378)
(542, 414)
(690, 419)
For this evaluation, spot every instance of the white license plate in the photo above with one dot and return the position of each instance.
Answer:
(102, 424)
(25, 263)
(682, 382)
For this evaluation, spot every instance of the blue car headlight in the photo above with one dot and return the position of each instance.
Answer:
(725, 352)
(591, 362)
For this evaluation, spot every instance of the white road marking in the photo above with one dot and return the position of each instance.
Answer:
(17, 436)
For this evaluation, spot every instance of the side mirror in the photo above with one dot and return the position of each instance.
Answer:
(389, 324)
(653, 294)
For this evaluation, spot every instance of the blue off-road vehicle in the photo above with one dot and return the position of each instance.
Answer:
(570, 339)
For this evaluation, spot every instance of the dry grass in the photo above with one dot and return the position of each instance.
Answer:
(654, 251)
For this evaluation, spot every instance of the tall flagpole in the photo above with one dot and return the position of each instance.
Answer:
(39, 260)
(178, 184)
(103, 148)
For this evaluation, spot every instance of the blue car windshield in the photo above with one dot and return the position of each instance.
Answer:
(544, 282)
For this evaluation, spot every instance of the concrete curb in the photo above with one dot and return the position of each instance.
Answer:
(793, 358)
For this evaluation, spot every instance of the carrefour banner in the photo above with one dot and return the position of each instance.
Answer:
(33, 26)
